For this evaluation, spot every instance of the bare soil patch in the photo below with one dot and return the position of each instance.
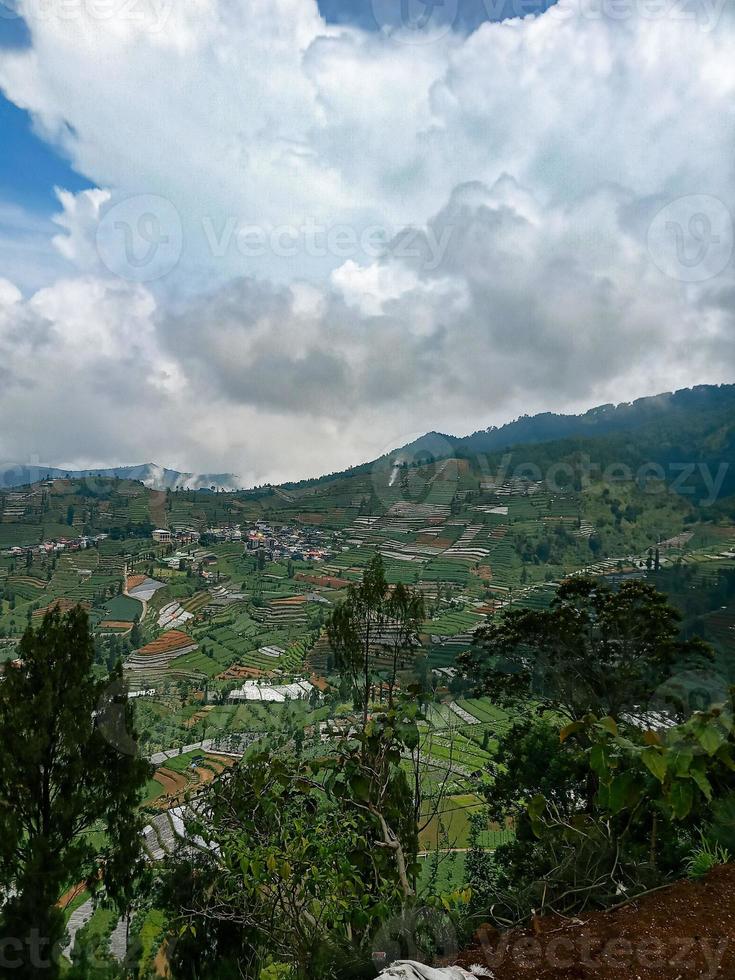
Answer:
(681, 932)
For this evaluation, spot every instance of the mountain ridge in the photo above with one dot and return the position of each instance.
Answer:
(600, 420)
(151, 475)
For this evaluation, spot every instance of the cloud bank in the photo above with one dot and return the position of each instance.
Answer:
(309, 243)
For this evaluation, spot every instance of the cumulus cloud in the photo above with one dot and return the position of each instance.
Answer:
(359, 239)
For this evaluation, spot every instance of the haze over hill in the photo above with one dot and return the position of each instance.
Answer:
(663, 424)
(150, 474)
(670, 409)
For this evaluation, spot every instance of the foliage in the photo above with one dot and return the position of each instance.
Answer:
(721, 828)
(300, 858)
(405, 613)
(67, 767)
(478, 864)
(372, 618)
(706, 856)
(650, 789)
(594, 650)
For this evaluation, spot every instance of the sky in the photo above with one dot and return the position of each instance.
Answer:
(279, 238)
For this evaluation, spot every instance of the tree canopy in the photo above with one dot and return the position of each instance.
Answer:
(68, 770)
(594, 650)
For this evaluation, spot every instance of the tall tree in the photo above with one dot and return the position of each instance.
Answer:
(356, 626)
(405, 609)
(300, 856)
(68, 766)
(594, 650)
(374, 619)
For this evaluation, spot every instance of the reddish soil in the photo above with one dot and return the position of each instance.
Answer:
(63, 605)
(323, 581)
(166, 642)
(434, 542)
(172, 782)
(313, 518)
(157, 504)
(195, 719)
(321, 683)
(205, 775)
(238, 671)
(68, 897)
(684, 931)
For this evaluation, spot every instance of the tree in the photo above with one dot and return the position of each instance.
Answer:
(405, 609)
(370, 619)
(355, 626)
(594, 650)
(67, 765)
(650, 791)
(300, 857)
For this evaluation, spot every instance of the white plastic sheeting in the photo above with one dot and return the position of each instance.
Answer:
(410, 970)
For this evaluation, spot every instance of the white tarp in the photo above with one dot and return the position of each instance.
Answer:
(410, 970)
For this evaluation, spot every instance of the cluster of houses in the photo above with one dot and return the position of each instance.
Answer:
(297, 543)
(55, 546)
(181, 536)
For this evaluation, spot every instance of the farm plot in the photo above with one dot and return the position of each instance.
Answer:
(123, 608)
(452, 623)
(172, 616)
(446, 570)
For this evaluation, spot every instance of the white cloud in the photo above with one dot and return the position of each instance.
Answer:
(514, 175)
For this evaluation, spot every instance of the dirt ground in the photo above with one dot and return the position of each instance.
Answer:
(172, 782)
(684, 931)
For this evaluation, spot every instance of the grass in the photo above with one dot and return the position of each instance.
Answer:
(450, 828)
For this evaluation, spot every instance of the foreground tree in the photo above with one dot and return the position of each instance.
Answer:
(67, 767)
(372, 619)
(594, 650)
(613, 812)
(297, 860)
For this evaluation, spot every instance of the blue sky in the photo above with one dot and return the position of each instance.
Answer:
(29, 167)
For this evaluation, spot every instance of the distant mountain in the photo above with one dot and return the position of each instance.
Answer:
(692, 423)
(669, 408)
(669, 425)
(153, 476)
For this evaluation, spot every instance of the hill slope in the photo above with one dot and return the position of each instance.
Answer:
(150, 474)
